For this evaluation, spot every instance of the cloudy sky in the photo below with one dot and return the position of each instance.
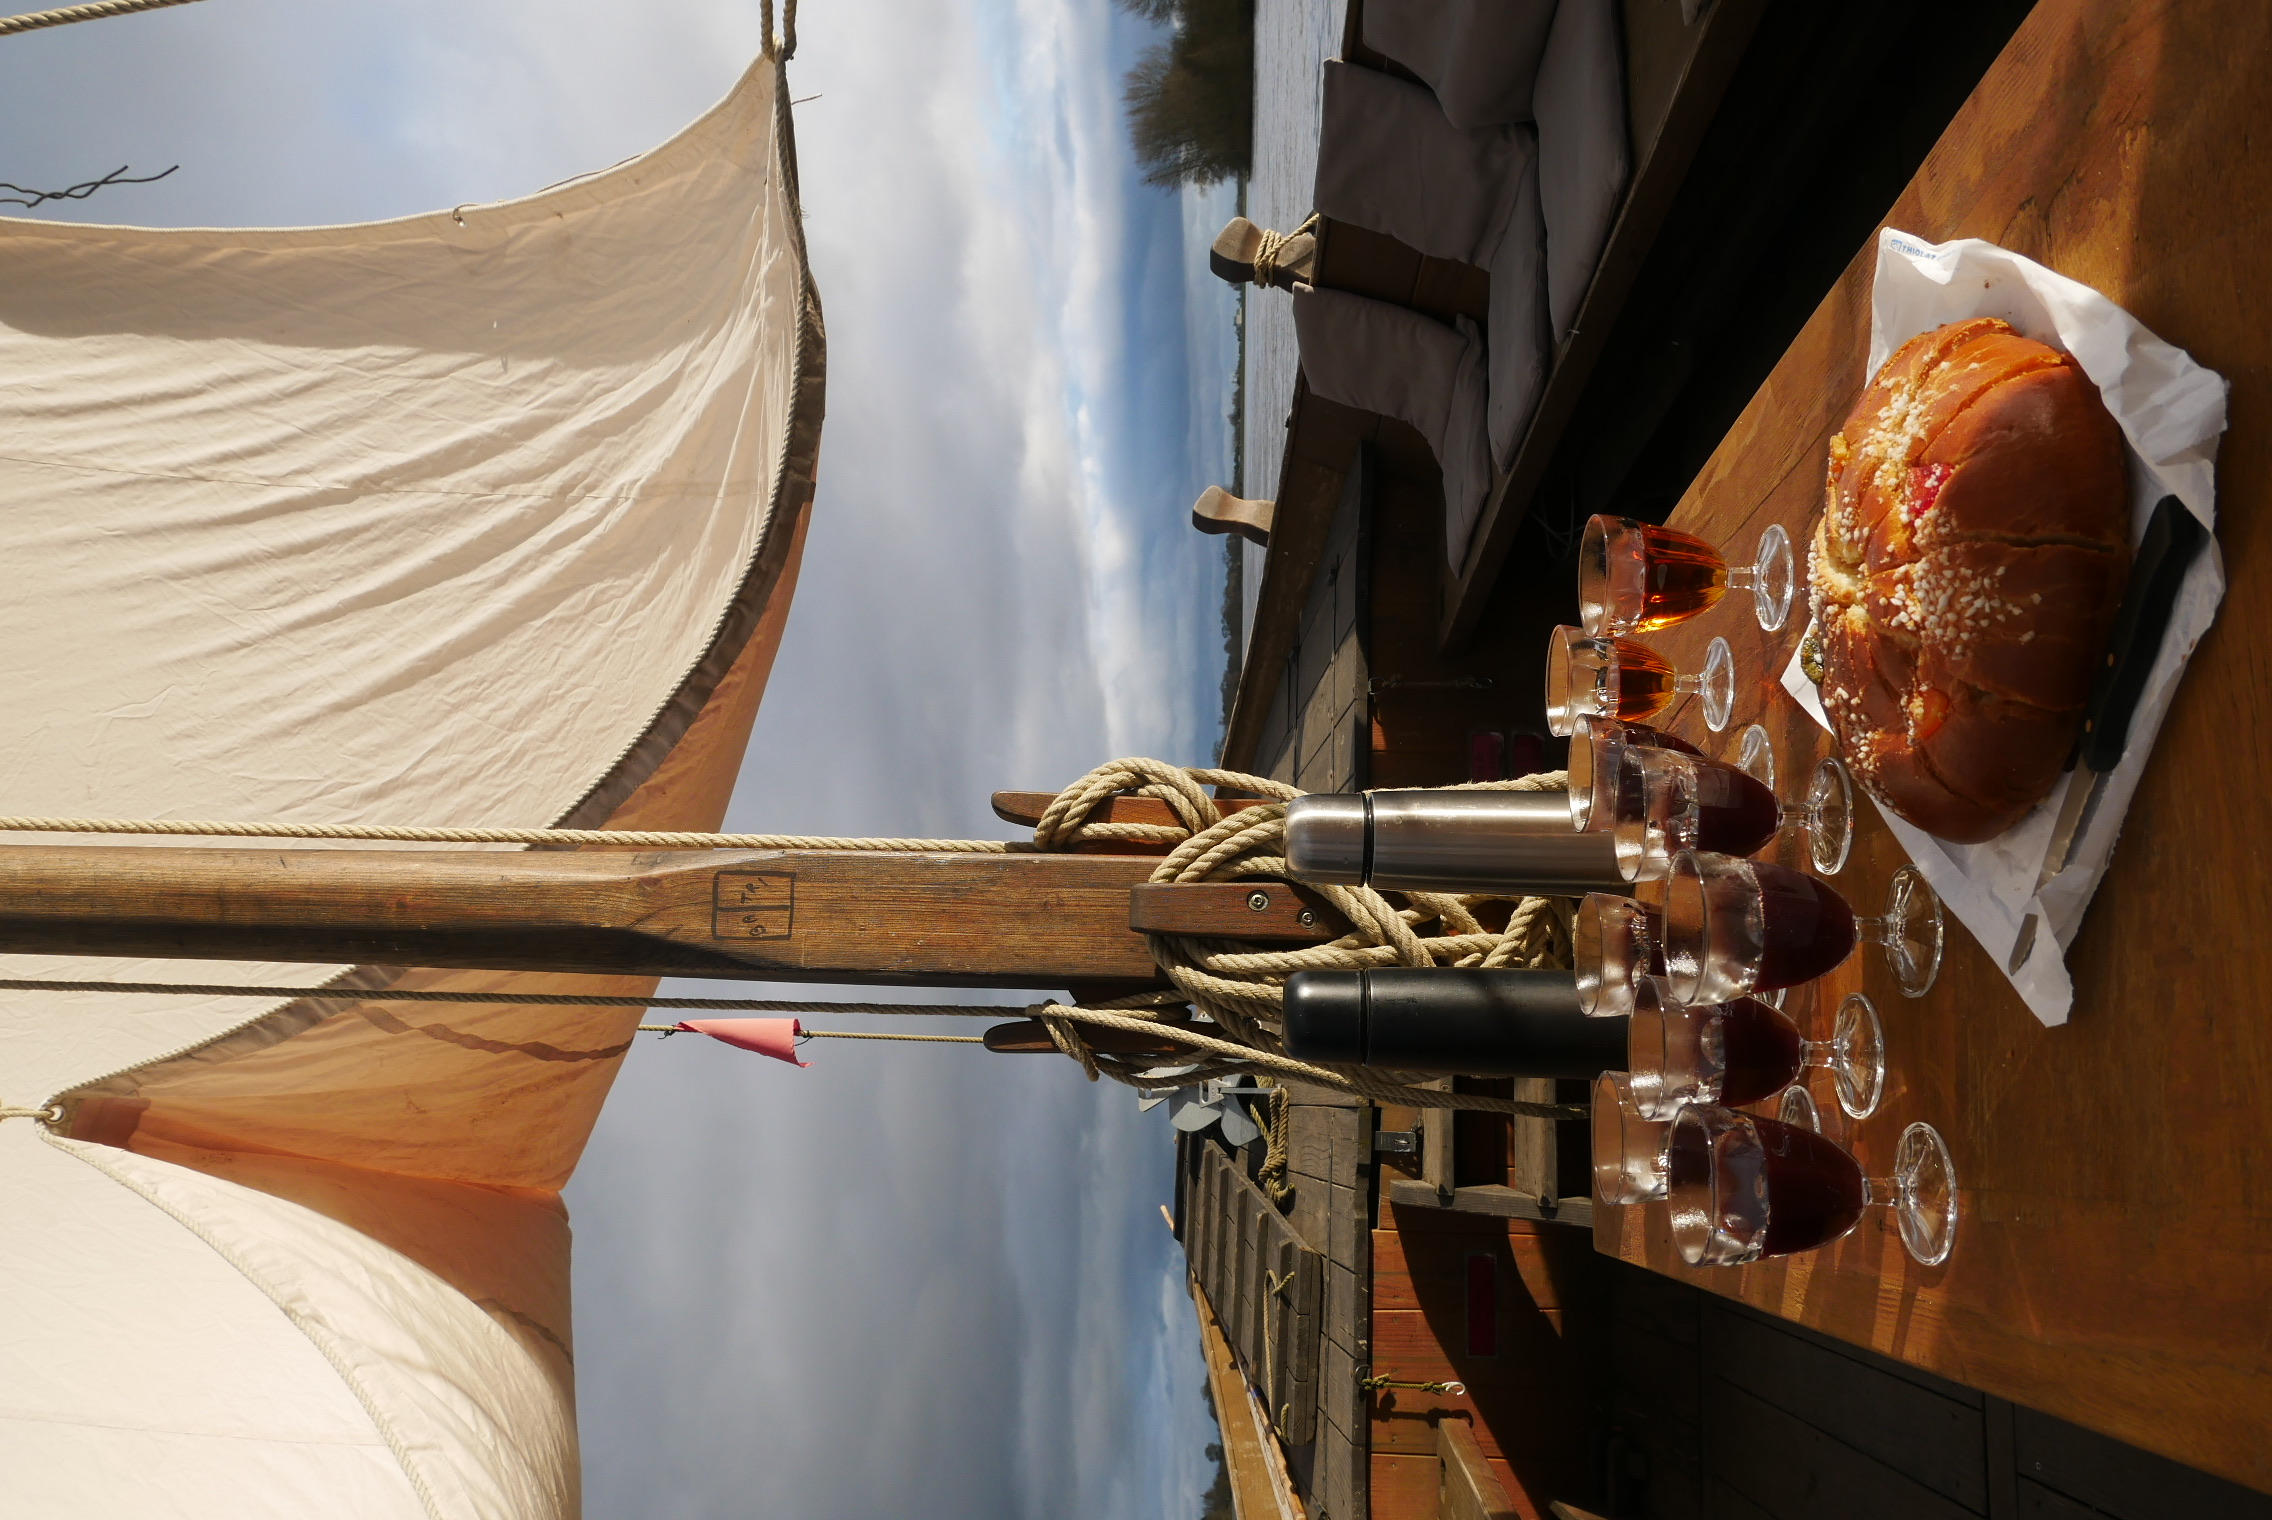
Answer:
(909, 1279)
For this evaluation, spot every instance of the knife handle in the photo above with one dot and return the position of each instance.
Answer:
(2173, 537)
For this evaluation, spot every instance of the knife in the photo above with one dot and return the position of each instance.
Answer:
(2173, 536)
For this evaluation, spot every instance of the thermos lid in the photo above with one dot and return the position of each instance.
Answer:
(1326, 837)
(1325, 1015)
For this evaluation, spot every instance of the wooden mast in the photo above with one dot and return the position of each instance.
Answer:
(1020, 920)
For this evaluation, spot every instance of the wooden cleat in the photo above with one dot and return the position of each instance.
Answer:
(1218, 511)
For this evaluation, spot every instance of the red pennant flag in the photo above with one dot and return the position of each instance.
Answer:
(768, 1037)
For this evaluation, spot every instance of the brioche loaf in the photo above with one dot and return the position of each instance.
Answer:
(1967, 569)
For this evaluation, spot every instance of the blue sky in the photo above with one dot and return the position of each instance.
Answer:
(908, 1279)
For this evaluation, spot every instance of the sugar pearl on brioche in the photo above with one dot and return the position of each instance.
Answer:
(1967, 569)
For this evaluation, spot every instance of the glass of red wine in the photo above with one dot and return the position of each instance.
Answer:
(1742, 1052)
(1735, 927)
(1629, 1151)
(1614, 952)
(1607, 677)
(1741, 1187)
(1594, 770)
(1667, 802)
(1634, 576)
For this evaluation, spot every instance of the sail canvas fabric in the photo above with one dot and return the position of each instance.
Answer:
(484, 517)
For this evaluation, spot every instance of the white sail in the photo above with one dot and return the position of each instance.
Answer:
(489, 516)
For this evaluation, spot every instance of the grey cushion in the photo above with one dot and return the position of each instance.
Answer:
(1389, 359)
(1583, 156)
(1481, 57)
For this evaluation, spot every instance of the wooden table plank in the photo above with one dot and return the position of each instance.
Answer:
(2111, 1260)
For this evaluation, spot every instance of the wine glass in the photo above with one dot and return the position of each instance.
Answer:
(1614, 952)
(1595, 745)
(1757, 757)
(1666, 802)
(1732, 927)
(1634, 576)
(1798, 1109)
(1629, 1151)
(1742, 1186)
(1740, 1052)
(1616, 678)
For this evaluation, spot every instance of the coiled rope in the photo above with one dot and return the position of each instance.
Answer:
(1239, 986)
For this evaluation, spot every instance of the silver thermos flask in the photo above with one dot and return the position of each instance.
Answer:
(1449, 841)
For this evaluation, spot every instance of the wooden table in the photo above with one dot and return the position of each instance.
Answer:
(2113, 1264)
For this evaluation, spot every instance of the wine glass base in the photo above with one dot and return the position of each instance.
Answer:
(1798, 1109)
(1915, 953)
(1757, 759)
(1927, 1207)
(1830, 816)
(1774, 579)
(1859, 1069)
(1719, 690)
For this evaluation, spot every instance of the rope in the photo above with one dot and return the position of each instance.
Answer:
(32, 21)
(630, 838)
(47, 1115)
(1272, 1176)
(537, 999)
(1274, 243)
(1241, 988)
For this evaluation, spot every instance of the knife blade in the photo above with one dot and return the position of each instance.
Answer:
(2173, 536)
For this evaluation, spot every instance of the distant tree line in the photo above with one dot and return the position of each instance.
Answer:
(1191, 96)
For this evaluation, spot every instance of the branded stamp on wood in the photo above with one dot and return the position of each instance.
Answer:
(753, 905)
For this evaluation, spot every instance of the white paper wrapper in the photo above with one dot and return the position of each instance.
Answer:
(2171, 411)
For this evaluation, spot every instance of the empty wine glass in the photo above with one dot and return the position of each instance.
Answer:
(1666, 802)
(1595, 745)
(1629, 1151)
(1740, 1052)
(1634, 576)
(1798, 1109)
(1732, 927)
(1742, 1187)
(1613, 951)
(1757, 757)
(1616, 678)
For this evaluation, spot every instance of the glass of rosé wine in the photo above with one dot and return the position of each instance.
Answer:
(1629, 1151)
(1634, 576)
(1609, 677)
(1614, 953)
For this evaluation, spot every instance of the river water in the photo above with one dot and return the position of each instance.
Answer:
(1292, 39)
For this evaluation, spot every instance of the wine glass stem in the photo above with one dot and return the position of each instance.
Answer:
(1742, 577)
(1688, 686)
(1883, 930)
(1883, 1192)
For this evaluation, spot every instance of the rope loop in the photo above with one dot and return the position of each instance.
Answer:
(1240, 987)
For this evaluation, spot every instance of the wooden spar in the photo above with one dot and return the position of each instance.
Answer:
(1024, 920)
